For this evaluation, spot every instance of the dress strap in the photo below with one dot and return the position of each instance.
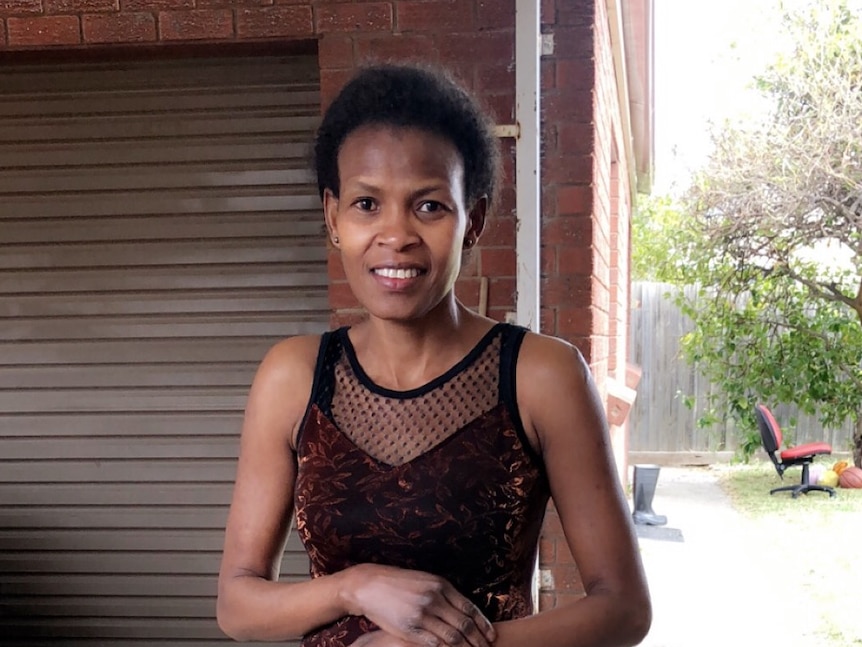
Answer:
(510, 346)
(323, 385)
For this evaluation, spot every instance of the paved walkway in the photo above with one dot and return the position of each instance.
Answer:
(710, 589)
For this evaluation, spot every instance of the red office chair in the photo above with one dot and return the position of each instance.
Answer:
(770, 435)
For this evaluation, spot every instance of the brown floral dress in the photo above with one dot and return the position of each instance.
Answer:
(439, 479)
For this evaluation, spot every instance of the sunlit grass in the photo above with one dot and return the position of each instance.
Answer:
(813, 541)
(748, 487)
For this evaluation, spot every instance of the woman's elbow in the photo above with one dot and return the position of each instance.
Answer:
(229, 619)
(628, 613)
(638, 620)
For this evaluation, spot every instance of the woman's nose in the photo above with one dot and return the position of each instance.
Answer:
(398, 229)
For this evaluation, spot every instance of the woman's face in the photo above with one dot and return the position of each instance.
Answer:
(400, 220)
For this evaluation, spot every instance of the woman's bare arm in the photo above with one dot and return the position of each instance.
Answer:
(251, 604)
(561, 410)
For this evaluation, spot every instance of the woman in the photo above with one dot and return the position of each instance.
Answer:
(419, 447)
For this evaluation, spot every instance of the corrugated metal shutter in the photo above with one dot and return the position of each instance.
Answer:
(159, 230)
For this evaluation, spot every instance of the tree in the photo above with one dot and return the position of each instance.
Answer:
(656, 223)
(773, 234)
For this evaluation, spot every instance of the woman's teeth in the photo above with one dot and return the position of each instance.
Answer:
(392, 273)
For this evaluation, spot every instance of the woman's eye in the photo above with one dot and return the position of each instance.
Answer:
(364, 204)
(431, 206)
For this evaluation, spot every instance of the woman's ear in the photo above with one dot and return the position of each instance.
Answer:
(476, 220)
(330, 210)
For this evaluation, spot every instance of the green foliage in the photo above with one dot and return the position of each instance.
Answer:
(771, 231)
(774, 343)
(659, 241)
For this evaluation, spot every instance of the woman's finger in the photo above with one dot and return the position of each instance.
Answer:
(471, 620)
(457, 622)
(440, 633)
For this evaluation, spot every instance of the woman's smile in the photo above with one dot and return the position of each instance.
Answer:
(398, 278)
(393, 273)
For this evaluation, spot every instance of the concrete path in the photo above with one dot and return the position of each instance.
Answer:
(711, 589)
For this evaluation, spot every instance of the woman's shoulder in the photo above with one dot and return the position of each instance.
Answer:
(288, 366)
(548, 365)
(548, 351)
(555, 388)
(293, 354)
(302, 349)
(282, 386)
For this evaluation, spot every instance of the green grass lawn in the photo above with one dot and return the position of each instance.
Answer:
(749, 485)
(813, 542)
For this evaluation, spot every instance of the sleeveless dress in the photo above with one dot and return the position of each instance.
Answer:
(439, 479)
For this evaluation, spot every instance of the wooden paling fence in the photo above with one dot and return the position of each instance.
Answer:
(660, 421)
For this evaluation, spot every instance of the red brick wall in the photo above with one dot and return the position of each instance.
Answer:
(612, 216)
(584, 201)
(568, 228)
(585, 211)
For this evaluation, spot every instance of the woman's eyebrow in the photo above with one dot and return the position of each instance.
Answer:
(431, 188)
(361, 186)
(366, 187)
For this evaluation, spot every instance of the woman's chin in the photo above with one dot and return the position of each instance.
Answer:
(397, 315)
(406, 311)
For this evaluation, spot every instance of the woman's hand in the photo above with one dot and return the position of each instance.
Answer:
(415, 607)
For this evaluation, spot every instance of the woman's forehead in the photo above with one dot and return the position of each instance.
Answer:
(378, 149)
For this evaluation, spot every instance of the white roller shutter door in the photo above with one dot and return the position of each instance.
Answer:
(159, 230)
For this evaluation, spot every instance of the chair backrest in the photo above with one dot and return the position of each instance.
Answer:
(770, 432)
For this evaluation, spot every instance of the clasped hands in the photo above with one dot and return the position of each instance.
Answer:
(414, 608)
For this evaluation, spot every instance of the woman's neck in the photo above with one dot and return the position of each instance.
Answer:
(406, 355)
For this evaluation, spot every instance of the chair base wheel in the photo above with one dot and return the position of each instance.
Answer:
(796, 490)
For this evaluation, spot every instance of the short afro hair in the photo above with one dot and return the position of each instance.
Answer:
(411, 96)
